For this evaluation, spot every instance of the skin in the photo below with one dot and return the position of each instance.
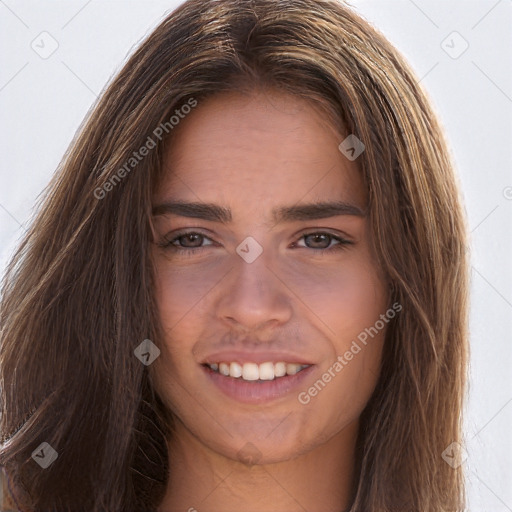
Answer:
(252, 153)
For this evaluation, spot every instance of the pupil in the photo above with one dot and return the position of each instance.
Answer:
(317, 237)
(190, 238)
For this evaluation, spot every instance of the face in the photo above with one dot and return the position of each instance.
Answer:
(272, 308)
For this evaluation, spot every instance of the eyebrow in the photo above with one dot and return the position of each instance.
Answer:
(301, 212)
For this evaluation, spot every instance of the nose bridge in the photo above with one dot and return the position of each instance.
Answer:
(253, 279)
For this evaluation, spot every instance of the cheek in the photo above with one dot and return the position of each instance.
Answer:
(180, 295)
(182, 292)
(346, 306)
(346, 298)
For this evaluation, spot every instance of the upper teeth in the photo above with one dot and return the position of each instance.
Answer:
(253, 371)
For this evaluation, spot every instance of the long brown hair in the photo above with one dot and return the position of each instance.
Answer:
(77, 297)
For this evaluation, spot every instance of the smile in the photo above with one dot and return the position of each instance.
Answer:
(257, 383)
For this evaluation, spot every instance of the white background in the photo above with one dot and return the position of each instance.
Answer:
(43, 101)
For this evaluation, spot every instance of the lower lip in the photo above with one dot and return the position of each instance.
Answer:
(257, 392)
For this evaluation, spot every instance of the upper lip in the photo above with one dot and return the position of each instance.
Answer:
(244, 356)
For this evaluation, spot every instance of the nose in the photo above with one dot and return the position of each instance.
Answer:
(253, 295)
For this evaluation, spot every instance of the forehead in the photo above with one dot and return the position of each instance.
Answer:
(265, 148)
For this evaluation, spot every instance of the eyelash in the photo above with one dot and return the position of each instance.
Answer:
(189, 251)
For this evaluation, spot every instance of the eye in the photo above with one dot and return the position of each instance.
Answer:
(180, 242)
(321, 241)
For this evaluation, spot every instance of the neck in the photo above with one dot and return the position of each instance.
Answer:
(319, 480)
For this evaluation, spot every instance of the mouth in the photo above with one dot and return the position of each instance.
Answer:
(256, 383)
